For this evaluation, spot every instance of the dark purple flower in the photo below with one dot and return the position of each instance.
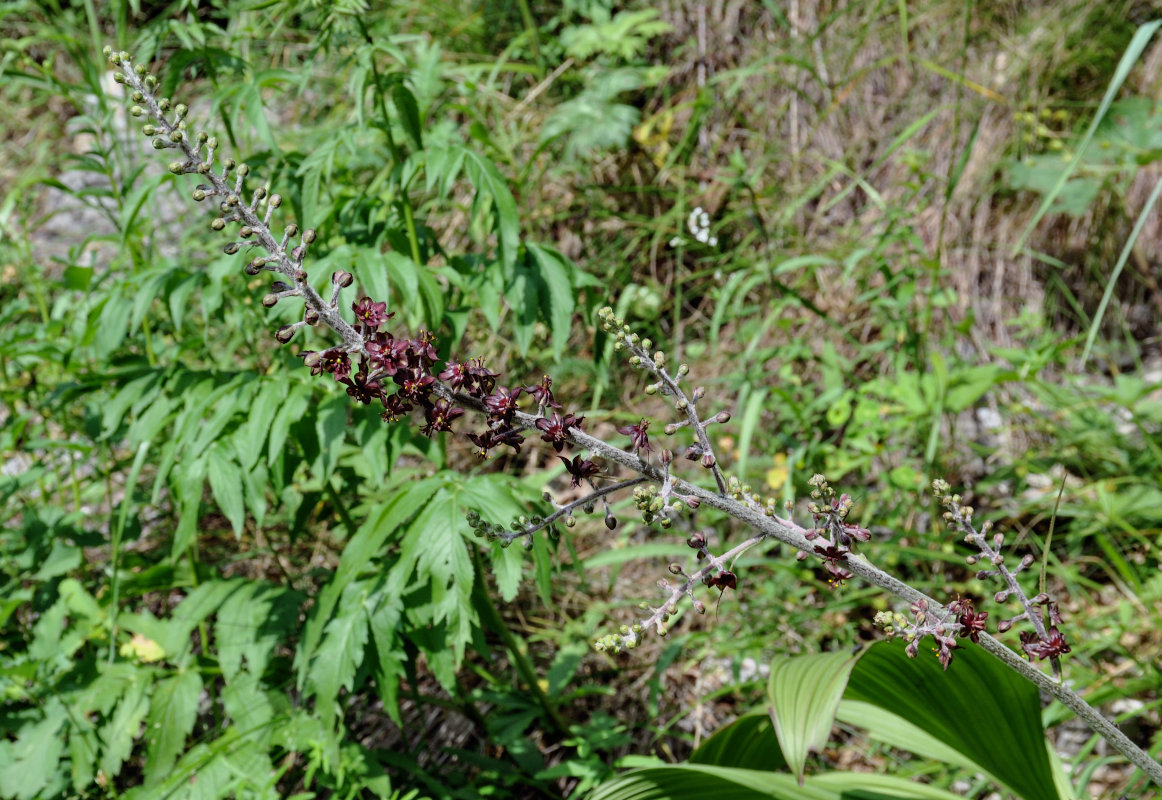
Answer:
(455, 375)
(580, 468)
(439, 417)
(335, 361)
(502, 403)
(370, 313)
(496, 436)
(394, 407)
(543, 394)
(972, 622)
(483, 379)
(554, 430)
(1051, 646)
(363, 388)
(637, 434)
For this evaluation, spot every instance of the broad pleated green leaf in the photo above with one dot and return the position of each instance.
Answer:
(699, 782)
(979, 708)
(804, 693)
(747, 743)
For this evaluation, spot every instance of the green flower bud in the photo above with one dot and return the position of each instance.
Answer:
(176, 136)
(163, 104)
(137, 111)
(243, 170)
(308, 236)
(159, 143)
(275, 200)
(139, 70)
(118, 78)
(137, 96)
(218, 224)
(199, 195)
(292, 230)
(180, 110)
(148, 130)
(176, 167)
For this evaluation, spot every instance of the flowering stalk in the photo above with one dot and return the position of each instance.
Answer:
(400, 374)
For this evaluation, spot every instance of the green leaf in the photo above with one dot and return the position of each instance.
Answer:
(29, 764)
(747, 743)
(331, 427)
(119, 733)
(173, 709)
(296, 403)
(507, 564)
(226, 484)
(555, 293)
(409, 114)
(697, 782)
(341, 651)
(492, 188)
(250, 623)
(252, 434)
(804, 693)
(979, 708)
(359, 553)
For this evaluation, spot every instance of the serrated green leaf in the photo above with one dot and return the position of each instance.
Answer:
(340, 652)
(492, 188)
(250, 623)
(556, 292)
(803, 694)
(173, 708)
(226, 484)
(252, 435)
(360, 551)
(119, 733)
(34, 758)
(409, 114)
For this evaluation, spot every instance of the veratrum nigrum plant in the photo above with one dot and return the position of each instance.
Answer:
(401, 375)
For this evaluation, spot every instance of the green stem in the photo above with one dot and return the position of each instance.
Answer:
(526, 15)
(490, 616)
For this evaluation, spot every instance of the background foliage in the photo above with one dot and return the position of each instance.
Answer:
(219, 578)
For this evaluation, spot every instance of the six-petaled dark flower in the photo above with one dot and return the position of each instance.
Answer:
(370, 313)
(554, 429)
(637, 434)
(580, 468)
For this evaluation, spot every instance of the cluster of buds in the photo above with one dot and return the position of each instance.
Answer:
(837, 537)
(961, 619)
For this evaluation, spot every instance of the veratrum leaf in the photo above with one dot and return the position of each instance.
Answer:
(698, 781)
(31, 762)
(978, 707)
(804, 693)
(747, 743)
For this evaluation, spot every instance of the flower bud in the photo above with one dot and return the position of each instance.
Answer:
(707, 460)
(231, 248)
(176, 136)
(176, 167)
(136, 111)
(218, 224)
(311, 317)
(286, 332)
(308, 235)
(292, 230)
(148, 130)
(199, 195)
(275, 200)
(722, 417)
(269, 300)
